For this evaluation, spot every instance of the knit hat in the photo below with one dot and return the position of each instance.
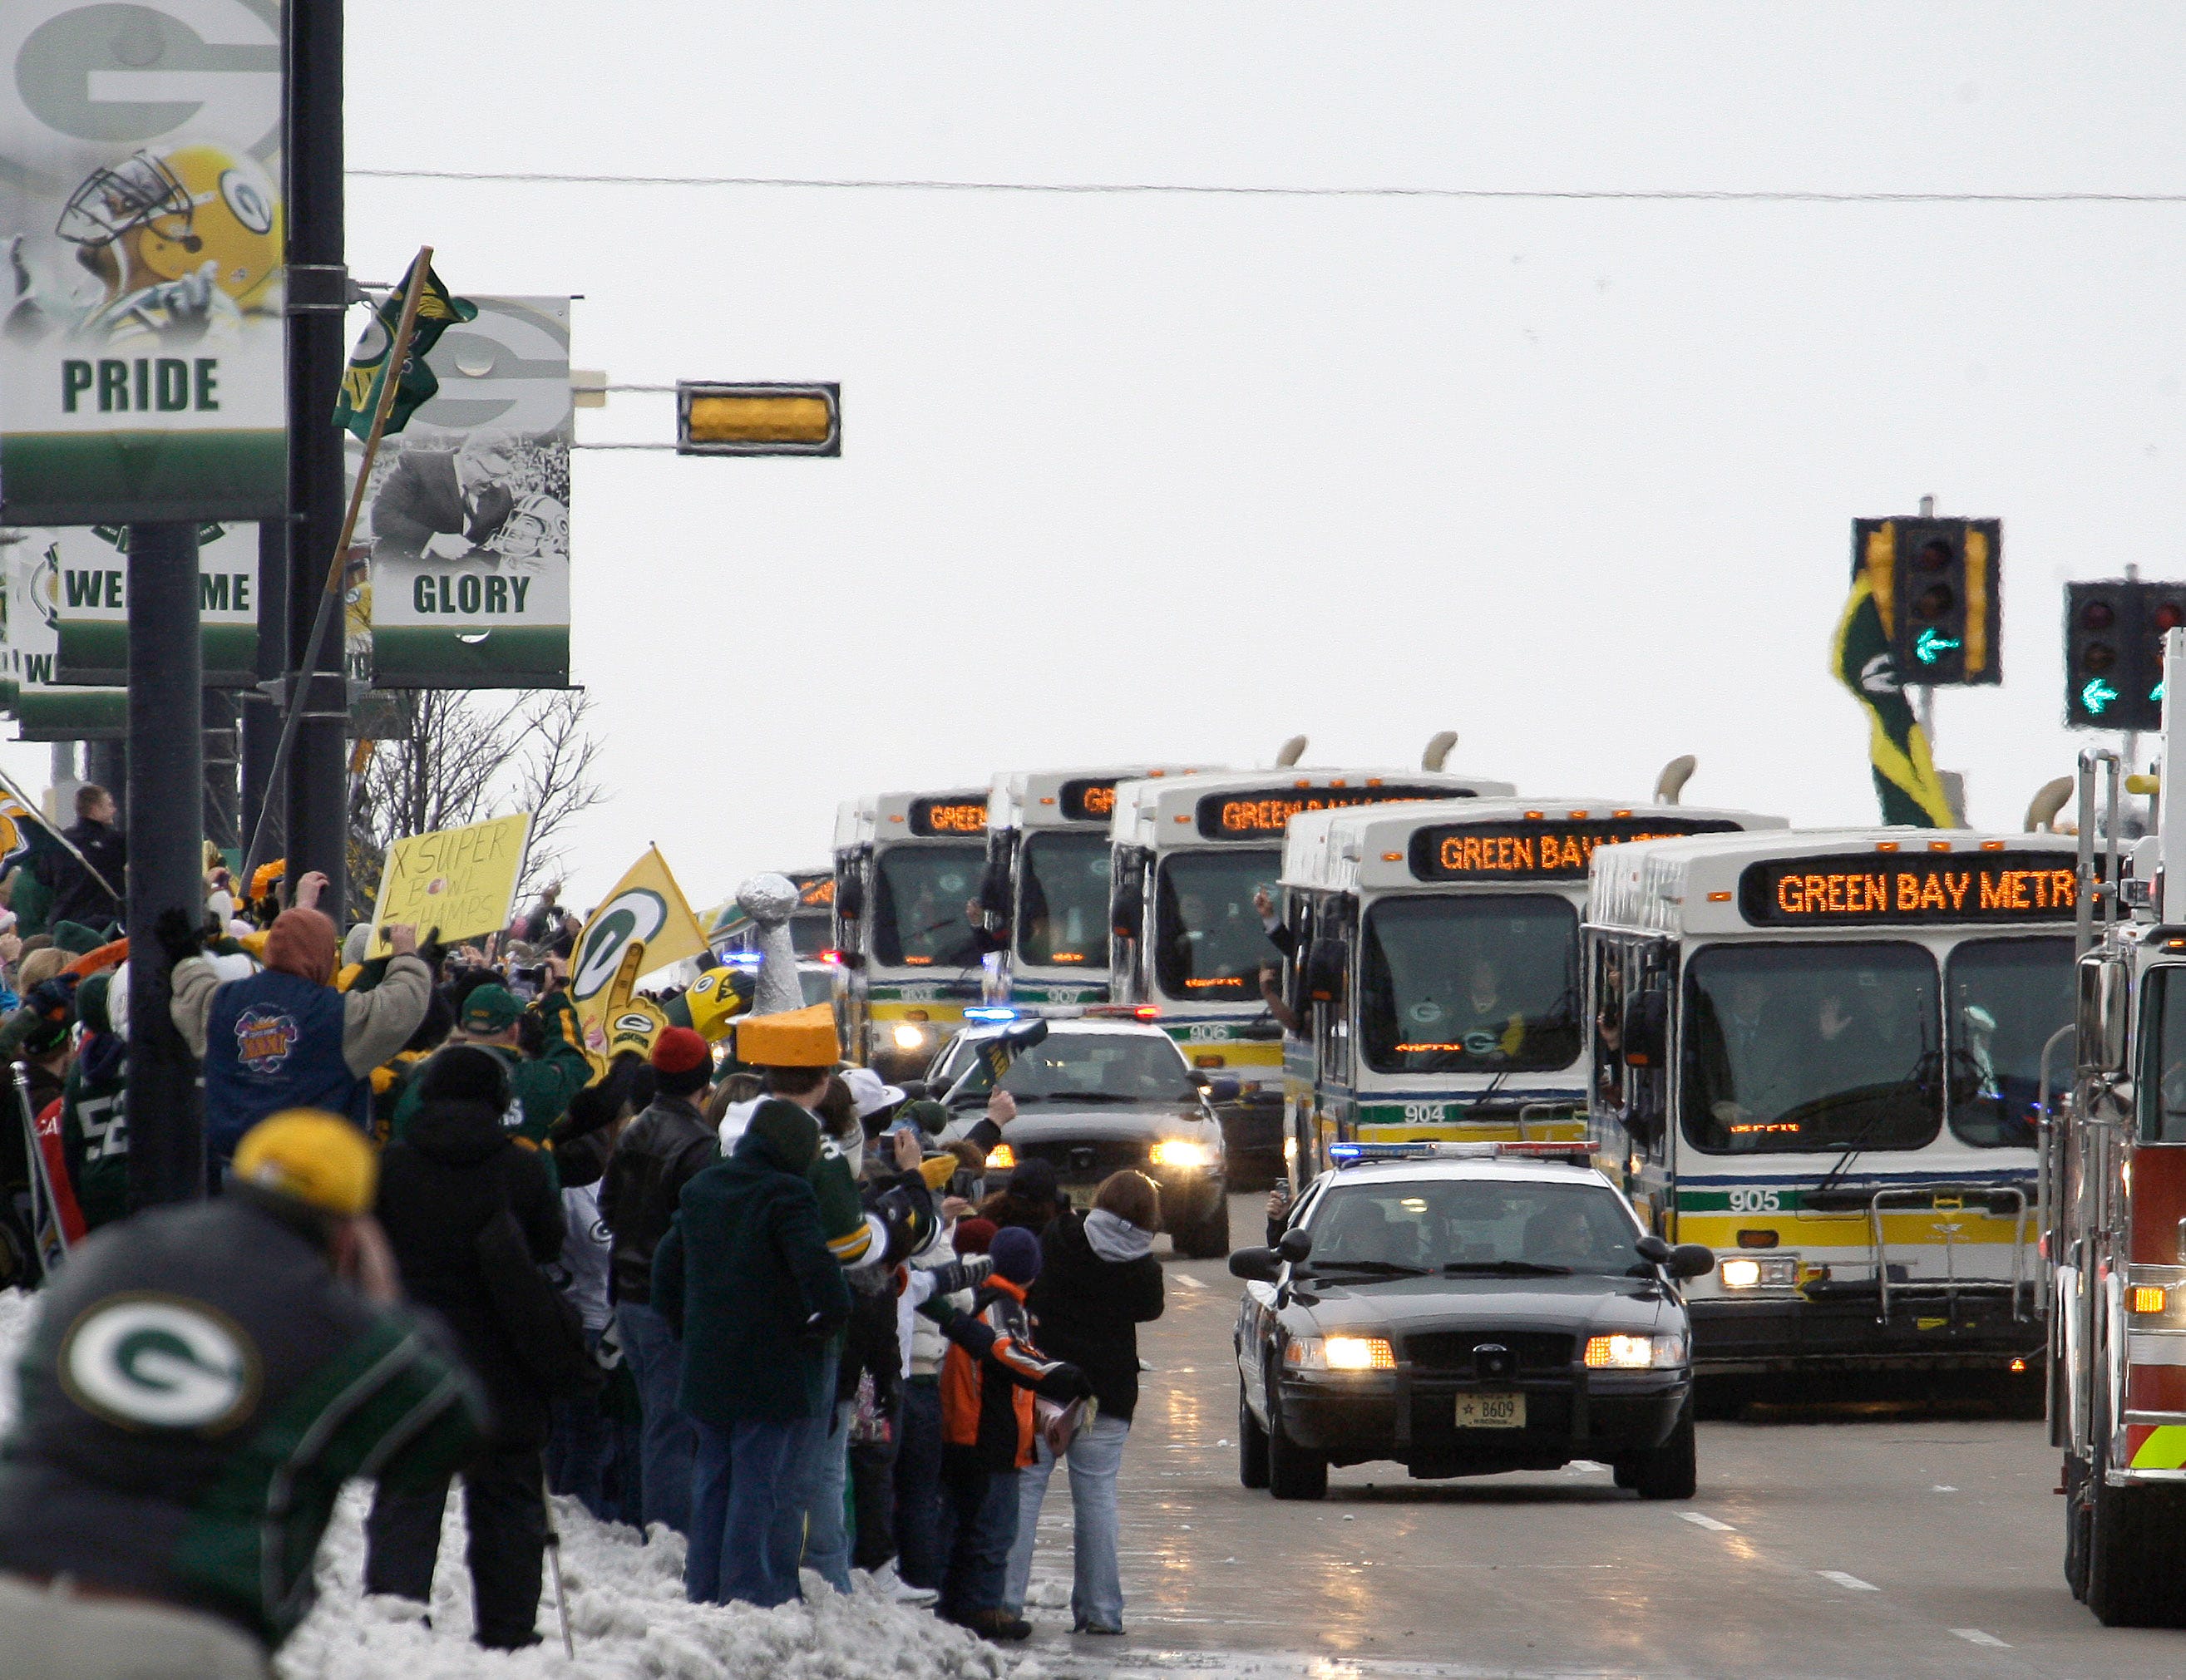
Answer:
(463, 1073)
(1017, 1254)
(311, 1157)
(1034, 1180)
(301, 943)
(974, 1235)
(75, 938)
(490, 1009)
(791, 1134)
(681, 1061)
(91, 1002)
(930, 1117)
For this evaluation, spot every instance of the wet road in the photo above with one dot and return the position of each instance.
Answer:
(1822, 1544)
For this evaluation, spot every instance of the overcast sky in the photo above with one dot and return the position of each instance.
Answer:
(1177, 477)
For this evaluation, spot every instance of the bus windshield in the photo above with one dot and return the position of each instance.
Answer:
(1208, 942)
(2008, 997)
(1799, 1047)
(919, 896)
(1062, 901)
(1479, 983)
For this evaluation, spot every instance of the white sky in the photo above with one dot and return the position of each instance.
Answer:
(1170, 477)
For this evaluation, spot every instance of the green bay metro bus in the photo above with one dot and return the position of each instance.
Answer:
(907, 868)
(1820, 1054)
(1434, 987)
(1189, 856)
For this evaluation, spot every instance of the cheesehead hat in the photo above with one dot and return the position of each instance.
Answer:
(795, 1038)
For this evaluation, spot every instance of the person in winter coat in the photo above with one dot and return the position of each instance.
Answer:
(77, 895)
(746, 1273)
(171, 1526)
(1029, 1200)
(439, 1189)
(915, 1514)
(988, 1383)
(658, 1153)
(543, 1082)
(94, 1128)
(284, 1038)
(1098, 1283)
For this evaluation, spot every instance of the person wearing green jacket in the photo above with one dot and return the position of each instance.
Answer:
(745, 1276)
(94, 1123)
(541, 1083)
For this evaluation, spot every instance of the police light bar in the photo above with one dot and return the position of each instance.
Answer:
(1124, 1011)
(741, 959)
(1574, 1153)
(988, 1012)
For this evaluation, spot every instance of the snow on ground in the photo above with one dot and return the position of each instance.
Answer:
(627, 1613)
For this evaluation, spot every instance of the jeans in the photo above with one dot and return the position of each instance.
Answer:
(1095, 1454)
(821, 1471)
(505, 1509)
(591, 1453)
(741, 1550)
(978, 1524)
(872, 1496)
(666, 1441)
(918, 1483)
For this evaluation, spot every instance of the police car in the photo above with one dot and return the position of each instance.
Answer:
(1464, 1309)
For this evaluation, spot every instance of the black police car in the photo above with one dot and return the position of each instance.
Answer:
(1463, 1311)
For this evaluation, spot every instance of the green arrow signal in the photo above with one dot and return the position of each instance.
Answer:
(2096, 696)
(2156, 692)
(1932, 646)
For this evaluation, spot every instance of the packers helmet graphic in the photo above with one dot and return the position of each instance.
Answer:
(537, 528)
(162, 217)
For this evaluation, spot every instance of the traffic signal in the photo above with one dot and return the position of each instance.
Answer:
(758, 419)
(2114, 651)
(1943, 603)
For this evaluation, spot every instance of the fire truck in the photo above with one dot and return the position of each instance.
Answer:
(2113, 1196)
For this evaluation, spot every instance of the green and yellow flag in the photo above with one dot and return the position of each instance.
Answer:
(437, 310)
(1861, 659)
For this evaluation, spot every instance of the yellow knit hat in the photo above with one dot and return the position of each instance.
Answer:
(796, 1038)
(311, 1157)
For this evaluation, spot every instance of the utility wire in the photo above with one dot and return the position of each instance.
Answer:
(1663, 195)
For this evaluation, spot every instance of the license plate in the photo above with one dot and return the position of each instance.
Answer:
(1491, 1411)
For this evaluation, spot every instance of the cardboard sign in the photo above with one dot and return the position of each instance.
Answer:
(462, 881)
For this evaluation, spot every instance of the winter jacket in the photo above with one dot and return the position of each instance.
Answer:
(1090, 1309)
(543, 1085)
(77, 897)
(438, 1189)
(213, 1494)
(745, 1273)
(658, 1153)
(95, 1128)
(922, 1343)
(991, 1375)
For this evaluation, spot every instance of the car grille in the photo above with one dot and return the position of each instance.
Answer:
(1451, 1351)
(1077, 1159)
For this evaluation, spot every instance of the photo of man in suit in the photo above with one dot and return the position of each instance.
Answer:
(444, 504)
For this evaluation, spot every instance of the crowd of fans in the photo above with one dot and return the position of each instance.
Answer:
(718, 1283)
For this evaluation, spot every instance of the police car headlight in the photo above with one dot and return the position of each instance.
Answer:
(909, 1037)
(1778, 1271)
(1180, 1152)
(1340, 1353)
(1634, 1352)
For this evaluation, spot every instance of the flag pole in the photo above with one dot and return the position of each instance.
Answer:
(307, 660)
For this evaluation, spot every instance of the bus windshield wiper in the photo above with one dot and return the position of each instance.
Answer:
(1517, 1268)
(1379, 1268)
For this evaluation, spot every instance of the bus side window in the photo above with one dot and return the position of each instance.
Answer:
(1331, 1022)
(1647, 1090)
(1298, 917)
(1607, 977)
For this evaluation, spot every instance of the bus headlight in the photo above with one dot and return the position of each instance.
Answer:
(1634, 1352)
(1180, 1152)
(1340, 1353)
(1780, 1271)
(909, 1036)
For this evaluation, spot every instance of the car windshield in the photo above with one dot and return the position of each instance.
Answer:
(1462, 1225)
(1062, 901)
(1810, 1047)
(919, 898)
(1210, 944)
(2008, 997)
(812, 934)
(1119, 1067)
(1474, 984)
(818, 984)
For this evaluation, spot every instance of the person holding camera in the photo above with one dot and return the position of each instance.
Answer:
(543, 1073)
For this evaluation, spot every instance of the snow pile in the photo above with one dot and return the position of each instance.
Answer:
(627, 1612)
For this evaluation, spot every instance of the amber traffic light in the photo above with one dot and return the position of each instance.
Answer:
(758, 419)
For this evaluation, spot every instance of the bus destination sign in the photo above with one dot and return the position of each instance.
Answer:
(1087, 799)
(930, 817)
(1263, 814)
(1552, 850)
(1879, 890)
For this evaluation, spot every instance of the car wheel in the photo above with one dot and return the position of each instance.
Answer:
(1293, 1473)
(1669, 1471)
(1207, 1239)
(1252, 1445)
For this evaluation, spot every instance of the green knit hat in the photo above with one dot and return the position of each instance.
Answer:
(790, 1133)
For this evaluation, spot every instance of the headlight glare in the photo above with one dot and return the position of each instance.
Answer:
(1180, 1152)
(1634, 1352)
(909, 1037)
(1340, 1353)
(1001, 1158)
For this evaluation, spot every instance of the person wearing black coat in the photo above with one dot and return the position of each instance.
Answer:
(457, 1172)
(1098, 1283)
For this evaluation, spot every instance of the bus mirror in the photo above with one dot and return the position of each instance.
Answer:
(1324, 972)
(1126, 911)
(850, 900)
(1646, 1029)
(2102, 1017)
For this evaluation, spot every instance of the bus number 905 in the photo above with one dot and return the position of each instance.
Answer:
(1756, 1202)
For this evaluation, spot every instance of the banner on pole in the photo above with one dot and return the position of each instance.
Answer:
(462, 881)
(90, 595)
(469, 514)
(142, 360)
(30, 643)
(646, 908)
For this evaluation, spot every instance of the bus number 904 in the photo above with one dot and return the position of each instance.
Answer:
(1756, 1202)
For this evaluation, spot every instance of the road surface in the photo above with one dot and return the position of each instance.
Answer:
(1822, 1543)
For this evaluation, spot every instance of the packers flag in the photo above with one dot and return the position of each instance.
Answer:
(437, 310)
(644, 924)
(1861, 659)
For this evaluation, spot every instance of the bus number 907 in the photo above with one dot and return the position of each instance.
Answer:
(1756, 1202)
